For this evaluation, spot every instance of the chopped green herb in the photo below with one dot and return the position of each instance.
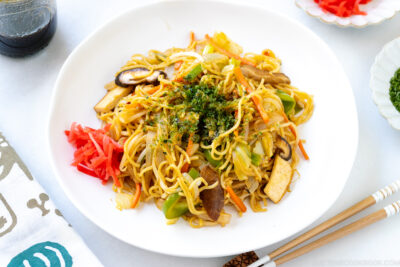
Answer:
(394, 90)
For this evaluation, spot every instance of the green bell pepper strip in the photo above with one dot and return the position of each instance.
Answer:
(173, 207)
(288, 102)
(215, 163)
(194, 73)
(194, 173)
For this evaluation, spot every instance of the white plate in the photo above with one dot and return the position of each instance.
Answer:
(377, 12)
(387, 62)
(331, 134)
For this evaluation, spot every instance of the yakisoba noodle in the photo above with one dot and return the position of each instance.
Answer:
(197, 107)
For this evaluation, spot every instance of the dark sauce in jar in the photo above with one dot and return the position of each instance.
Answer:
(27, 32)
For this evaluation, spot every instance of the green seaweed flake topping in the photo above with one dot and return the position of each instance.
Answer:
(394, 90)
(201, 110)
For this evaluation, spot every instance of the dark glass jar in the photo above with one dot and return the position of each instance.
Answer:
(26, 26)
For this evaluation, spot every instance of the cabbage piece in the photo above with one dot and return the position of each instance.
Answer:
(208, 49)
(124, 200)
(258, 149)
(268, 144)
(224, 42)
(216, 58)
(221, 61)
(241, 161)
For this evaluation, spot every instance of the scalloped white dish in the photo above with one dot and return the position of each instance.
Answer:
(377, 12)
(166, 24)
(385, 65)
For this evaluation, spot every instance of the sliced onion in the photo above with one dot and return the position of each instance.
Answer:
(159, 203)
(160, 157)
(149, 140)
(195, 186)
(260, 126)
(187, 177)
(275, 118)
(141, 156)
(169, 71)
(252, 184)
(187, 54)
(224, 218)
(246, 131)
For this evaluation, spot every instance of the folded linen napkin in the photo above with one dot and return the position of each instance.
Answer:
(32, 231)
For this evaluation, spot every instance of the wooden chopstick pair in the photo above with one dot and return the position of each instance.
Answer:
(250, 258)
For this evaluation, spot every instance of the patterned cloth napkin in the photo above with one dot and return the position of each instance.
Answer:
(32, 231)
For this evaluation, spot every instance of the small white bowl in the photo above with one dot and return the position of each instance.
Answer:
(377, 11)
(385, 65)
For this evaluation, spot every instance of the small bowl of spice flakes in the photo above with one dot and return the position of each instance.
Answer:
(385, 82)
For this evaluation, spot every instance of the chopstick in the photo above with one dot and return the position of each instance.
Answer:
(360, 206)
(386, 212)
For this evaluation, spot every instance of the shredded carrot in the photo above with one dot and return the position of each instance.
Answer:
(192, 38)
(189, 148)
(303, 151)
(153, 90)
(178, 65)
(301, 147)
(136, 197)
(239, 203)
(178, 79)
(227, 53)
(261, 109)
(185, 167)
(256, 100)
(190, 144)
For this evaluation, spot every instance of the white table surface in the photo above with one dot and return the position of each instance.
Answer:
(26, 86)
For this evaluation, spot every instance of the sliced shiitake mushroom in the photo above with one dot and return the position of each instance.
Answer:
(137, 76)
(283, 148)
(259, 74)
(280, 180)
(213, 199)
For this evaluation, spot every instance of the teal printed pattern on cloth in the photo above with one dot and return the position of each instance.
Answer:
(33, 232)
(54, 254)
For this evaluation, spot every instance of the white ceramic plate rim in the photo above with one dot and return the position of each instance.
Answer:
(345, 168)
